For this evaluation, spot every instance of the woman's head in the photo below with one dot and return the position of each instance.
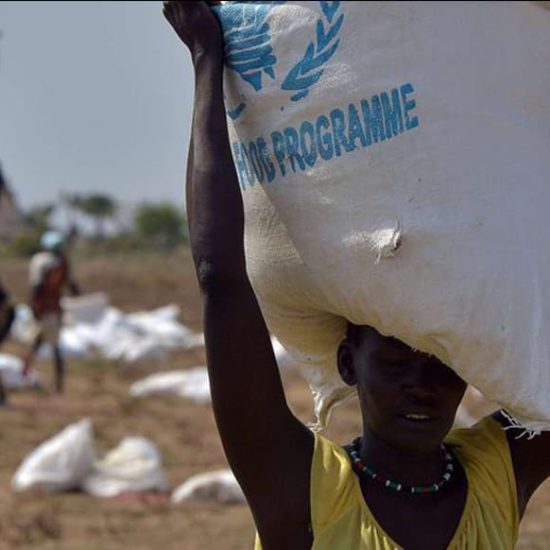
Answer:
(408, 398)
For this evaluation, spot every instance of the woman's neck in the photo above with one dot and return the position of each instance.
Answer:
(406, 467)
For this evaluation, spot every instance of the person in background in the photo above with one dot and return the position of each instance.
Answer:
(408, 480)
(49, 275)
(7, 316)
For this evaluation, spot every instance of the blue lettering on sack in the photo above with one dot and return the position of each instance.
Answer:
(307, 143)
(292, 143)
(345, 129)
(278, 142)
(409, 105)
(265, 159)
(324, 139)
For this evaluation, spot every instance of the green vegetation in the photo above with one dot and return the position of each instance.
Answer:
(161, 225)
(151, 226)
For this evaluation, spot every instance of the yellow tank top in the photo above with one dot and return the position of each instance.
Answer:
(341, 519)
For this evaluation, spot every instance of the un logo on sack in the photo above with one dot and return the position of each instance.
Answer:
(249, 52)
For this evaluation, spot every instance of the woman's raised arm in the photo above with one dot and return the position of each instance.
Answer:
(267, 447)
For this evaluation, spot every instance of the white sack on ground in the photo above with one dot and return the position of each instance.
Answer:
(113, 334)
(135, 465)
(23, 327)
(191, 383)
(11, 372)
(60, 463)
(218, 486)
(88, 308)
(394, 178)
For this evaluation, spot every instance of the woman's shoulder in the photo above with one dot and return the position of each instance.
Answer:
(332, 480)
(486, 431)
(483, 446)
(331, 464)
(484, 453)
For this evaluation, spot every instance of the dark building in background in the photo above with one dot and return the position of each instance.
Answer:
(11, 221)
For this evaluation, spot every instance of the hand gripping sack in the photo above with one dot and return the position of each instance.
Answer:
(394, 160)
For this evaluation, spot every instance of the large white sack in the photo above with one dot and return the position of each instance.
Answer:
(133, 466)
(60, 463)
(394, 161)
(191, 383)
(11, 373)
(283, 358)
(219, 486)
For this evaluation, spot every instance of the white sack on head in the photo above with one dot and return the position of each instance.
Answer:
(135, 465)
(219, 486)
(283, 358)
(60, 463)
(191, 383)
(11, 373)
(394, 161)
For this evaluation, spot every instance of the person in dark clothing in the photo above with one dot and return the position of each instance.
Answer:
(7, 316)
(49, 275)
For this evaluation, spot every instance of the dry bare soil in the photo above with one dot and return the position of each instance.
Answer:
(184, 432)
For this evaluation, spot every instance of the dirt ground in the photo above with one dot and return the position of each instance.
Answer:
(184, 432)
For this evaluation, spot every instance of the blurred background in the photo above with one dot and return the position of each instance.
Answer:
(95, 110)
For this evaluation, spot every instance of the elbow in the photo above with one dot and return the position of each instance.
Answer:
(215, 278)
(207, 275)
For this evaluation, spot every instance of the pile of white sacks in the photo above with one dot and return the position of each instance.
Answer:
(92, 326)
(68, 462)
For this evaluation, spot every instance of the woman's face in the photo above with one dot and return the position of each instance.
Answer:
(408, 398)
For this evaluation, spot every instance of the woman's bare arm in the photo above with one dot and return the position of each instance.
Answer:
(267, 447)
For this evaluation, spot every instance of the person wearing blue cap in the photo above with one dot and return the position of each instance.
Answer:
(49, 275)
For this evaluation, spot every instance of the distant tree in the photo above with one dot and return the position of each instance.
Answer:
(98, 207)
(72, 202)
(161, 224)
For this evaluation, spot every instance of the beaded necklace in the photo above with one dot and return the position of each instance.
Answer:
(362, 469)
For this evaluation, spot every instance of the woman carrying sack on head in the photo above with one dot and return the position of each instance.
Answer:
(407, 481)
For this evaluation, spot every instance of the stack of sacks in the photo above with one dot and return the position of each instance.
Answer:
(114, 334)
(393, 179)
(68, 462)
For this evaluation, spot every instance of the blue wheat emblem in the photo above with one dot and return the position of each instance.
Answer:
(247, 41)
(248, 49)
(309, 69)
